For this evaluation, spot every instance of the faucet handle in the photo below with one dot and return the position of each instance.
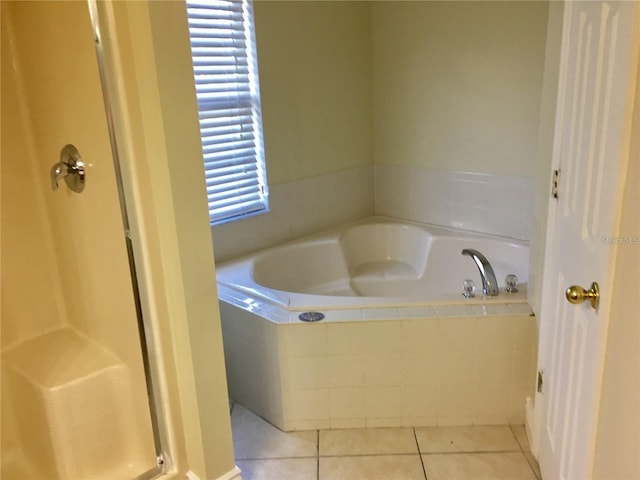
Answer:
(469, 287)
(58, 171)
(511, 283)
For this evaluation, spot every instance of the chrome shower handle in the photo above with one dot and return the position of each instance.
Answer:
(71, 168)
(58, 171)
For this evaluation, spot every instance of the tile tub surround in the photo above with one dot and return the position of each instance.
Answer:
(265, 453)
(430, 366)
(479, 202)
(485, 203)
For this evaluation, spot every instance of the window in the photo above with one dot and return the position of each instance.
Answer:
(226, 78)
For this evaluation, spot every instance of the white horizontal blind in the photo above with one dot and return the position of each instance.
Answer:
(226, 78)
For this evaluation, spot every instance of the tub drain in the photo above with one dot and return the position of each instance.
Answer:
(311, 316)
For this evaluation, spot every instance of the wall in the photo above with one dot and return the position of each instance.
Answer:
(457, 91)
(430, 107)
(26, 232)
(315, 82)
(457, 84)
(618, 434)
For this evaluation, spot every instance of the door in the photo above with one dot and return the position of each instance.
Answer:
(598, 58)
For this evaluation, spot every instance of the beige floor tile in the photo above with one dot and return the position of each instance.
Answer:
(367, 441)
(466, 439)
(521, 436)
(378, 467)
(478, 466)
(279, 469)
(254, 438)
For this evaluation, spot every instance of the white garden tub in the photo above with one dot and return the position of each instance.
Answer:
(379, 263)
(397, 344)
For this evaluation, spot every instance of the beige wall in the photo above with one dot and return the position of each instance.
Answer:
(315, 82)
(618, 435)
(457, 85)
(451, 85)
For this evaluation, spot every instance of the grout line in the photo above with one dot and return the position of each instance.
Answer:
(472, 452)
(526, 457)
(342, 455)
(337, 456)
(373, 455)
(405, 454)
(252, 459)
(424, 470)
(516, 438)
(532, 469)
(317, 454)
(531, 466)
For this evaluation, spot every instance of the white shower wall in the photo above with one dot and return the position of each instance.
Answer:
(480, 202)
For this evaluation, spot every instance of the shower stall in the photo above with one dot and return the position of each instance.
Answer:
(76, 402)
(109, 316)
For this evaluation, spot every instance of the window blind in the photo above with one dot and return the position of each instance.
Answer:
(226, 78)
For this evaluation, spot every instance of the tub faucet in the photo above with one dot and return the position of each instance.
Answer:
(489, 283)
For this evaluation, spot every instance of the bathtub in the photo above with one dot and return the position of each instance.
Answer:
(379, 263)
(396, 344)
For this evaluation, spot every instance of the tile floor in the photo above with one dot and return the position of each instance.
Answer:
(435, 453)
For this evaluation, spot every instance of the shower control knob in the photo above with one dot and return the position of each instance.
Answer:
(70, 168)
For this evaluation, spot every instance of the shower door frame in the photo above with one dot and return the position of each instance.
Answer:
(150, 362)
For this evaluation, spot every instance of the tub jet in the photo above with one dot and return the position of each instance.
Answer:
(311, 316)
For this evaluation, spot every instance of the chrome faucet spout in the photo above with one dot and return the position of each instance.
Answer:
(488, 276)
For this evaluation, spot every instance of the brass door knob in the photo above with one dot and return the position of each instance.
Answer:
(576, 294)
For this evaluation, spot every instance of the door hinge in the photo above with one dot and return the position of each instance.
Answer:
(540, 381)
(554, 183)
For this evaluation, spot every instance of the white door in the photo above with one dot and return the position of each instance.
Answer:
(599, 55)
